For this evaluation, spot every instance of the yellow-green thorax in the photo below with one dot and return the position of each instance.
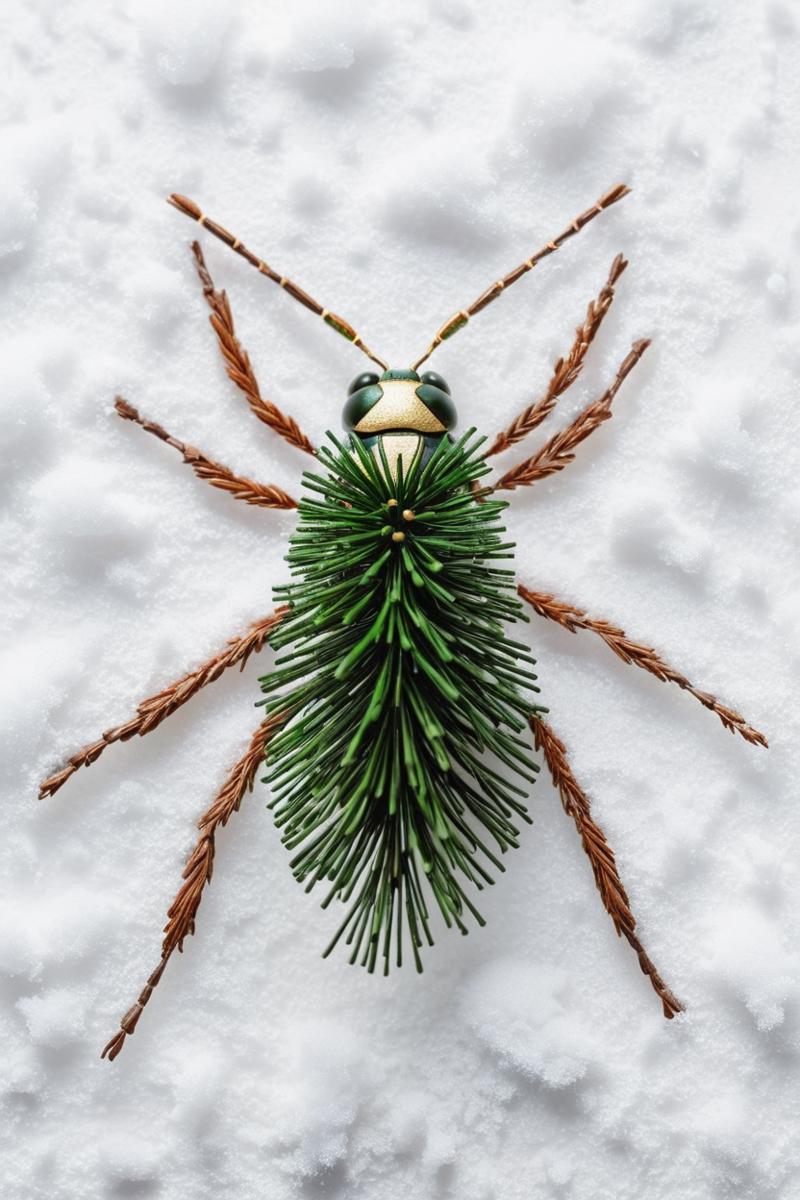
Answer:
(404, 413)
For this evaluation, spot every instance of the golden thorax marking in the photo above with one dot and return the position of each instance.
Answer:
(404, 446)
(400, 408)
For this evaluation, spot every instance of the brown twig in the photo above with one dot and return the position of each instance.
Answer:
(237, 361)
(151, 712)
(460, 318)
(601, 856)
(566, 370)
(559, 451)
(572, 618)
(192, 210)
(265, 495)
(197, 872)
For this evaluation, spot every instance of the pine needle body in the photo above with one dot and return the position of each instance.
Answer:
(399, 775)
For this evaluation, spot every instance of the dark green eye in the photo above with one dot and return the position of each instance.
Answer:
(435, 380)
(435, 398)
(360, 401)
(365, 379)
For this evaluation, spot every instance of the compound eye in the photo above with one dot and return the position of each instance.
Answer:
(435, 380)
(364, 380)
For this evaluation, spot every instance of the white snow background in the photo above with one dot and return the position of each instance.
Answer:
(394, 160)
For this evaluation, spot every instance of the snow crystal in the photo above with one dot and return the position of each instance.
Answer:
(54, 1017)
(182, 40)
(520, 1012)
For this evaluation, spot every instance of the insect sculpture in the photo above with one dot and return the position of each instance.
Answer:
(398, 707)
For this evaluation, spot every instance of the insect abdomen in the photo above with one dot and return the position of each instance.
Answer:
(399, 692)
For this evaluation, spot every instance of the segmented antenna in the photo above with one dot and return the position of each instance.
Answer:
(459, 319)
(190, 209)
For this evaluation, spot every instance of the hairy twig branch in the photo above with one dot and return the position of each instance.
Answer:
(601, 856)
(197, 872)
(566, 370)
(151, 712)
(265, 495)
(237, 361)
(559, 451)
(572, 618)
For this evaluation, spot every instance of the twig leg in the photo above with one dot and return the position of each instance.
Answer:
(559, 451)
(566, 370)
(197, 873)
(569, 617)
(601, 856)
(265, 495)
(151, 712)
(237, 361)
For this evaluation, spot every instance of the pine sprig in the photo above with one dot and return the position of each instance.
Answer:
(237, 361)
(566, 370)
(197, 874)
(155, 709)
(402, 695)
(570, 617)
(601, 856)
(265, 495)
(559, 451)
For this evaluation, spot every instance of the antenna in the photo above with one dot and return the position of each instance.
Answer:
(190, 209)
(459, 319)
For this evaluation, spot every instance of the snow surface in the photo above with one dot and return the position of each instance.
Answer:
(395, 159)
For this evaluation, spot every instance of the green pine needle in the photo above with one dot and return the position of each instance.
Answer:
(402, 694)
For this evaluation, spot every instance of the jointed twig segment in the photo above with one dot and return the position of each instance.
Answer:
(237, 361)
(265, 495)
(459, 319)
(568, 616)
(197, 872)
(559, 451)
(566, 370)
(151, 712)
(342, 327)
(601, 856)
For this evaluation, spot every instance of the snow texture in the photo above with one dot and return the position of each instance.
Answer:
(395, 159)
